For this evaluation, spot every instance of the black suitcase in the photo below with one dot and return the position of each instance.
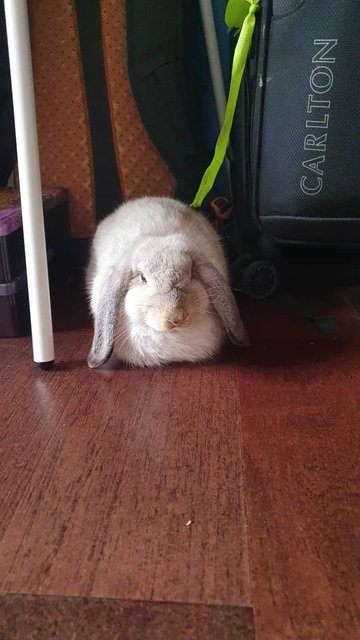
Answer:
(296, 133)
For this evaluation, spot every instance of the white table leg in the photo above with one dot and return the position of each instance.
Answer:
(17, 27)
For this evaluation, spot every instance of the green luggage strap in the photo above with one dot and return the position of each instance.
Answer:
(239, 14)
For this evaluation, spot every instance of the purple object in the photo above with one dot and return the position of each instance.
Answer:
(14, 312)
(11, 218)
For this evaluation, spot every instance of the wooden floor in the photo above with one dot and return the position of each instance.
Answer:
(134, 503)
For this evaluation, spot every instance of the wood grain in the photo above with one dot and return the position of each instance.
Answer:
(101, 472)
(300, 429)
(43, 617)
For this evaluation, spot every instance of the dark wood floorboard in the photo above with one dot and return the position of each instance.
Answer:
(102, 472)
(41, 618)
(300, 430)
(258, 453)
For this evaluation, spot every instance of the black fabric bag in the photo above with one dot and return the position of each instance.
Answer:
(163, 82)
(296, 136)
(7, 129)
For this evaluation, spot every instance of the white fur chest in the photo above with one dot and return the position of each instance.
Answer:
(142, 346)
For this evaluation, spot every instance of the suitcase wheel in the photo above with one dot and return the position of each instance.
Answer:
(259, 279)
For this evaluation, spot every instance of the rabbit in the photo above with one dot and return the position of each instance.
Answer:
(158, 286)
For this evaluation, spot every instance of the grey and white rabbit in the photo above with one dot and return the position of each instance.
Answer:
(158, 286)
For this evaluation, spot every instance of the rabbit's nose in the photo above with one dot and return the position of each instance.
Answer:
(178, 321)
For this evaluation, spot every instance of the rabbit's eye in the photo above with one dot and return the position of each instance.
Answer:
(143, 279)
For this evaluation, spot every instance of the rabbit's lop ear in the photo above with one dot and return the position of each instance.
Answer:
(113, 291)
(223, 301)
